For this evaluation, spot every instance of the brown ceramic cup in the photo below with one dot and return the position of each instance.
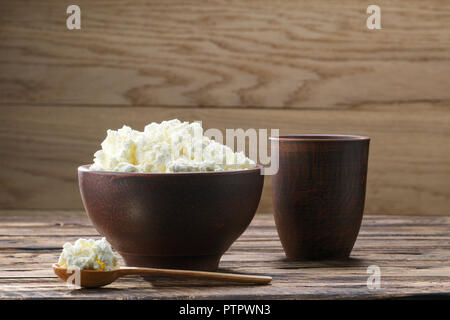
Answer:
(318, 194)
(171, 220)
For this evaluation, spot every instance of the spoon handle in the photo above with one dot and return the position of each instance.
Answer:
(226, 277)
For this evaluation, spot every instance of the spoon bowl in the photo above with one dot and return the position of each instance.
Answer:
(95, 278)
(87, 278)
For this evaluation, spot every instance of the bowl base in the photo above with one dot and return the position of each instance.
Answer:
(203, 263)
(320, 257)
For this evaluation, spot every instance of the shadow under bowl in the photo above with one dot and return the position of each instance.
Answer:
(171, 220)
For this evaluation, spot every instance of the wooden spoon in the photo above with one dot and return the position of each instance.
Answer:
(95, 278)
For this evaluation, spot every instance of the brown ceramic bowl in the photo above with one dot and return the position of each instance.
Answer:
(171, 220)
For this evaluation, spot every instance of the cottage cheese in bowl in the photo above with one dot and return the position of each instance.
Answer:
(169, 146)
(88, 255)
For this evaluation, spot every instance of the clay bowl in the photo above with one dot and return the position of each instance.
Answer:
(171, 220)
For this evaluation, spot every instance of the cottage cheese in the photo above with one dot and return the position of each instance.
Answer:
(88, 254)
(169, 146)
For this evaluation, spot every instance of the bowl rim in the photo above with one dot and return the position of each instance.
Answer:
(320, 137)
(85, 169)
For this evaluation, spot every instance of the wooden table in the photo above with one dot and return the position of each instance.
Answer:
(413, 254)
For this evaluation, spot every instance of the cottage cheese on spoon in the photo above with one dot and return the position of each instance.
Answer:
(88, 254)
(169, 146)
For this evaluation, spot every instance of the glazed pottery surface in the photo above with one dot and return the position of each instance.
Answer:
(171, 220)
(319, 193)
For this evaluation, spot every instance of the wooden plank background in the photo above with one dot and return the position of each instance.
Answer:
(298, 65)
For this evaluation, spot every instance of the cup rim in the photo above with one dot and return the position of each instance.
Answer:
(319, 138)
(85, 168)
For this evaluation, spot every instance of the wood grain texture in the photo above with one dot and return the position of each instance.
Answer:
(409, 172)
(236, 53)
(60, 90)
(413, 254)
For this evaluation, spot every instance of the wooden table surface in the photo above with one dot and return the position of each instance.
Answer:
(413, 254)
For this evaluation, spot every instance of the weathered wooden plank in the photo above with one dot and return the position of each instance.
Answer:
(41, 148)
(258, 233)
(240, 53)
(51, 241)
(274, 264)
(412, 259)
(44, 216)
(136, 288)
(46, 243)
(264, 221)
